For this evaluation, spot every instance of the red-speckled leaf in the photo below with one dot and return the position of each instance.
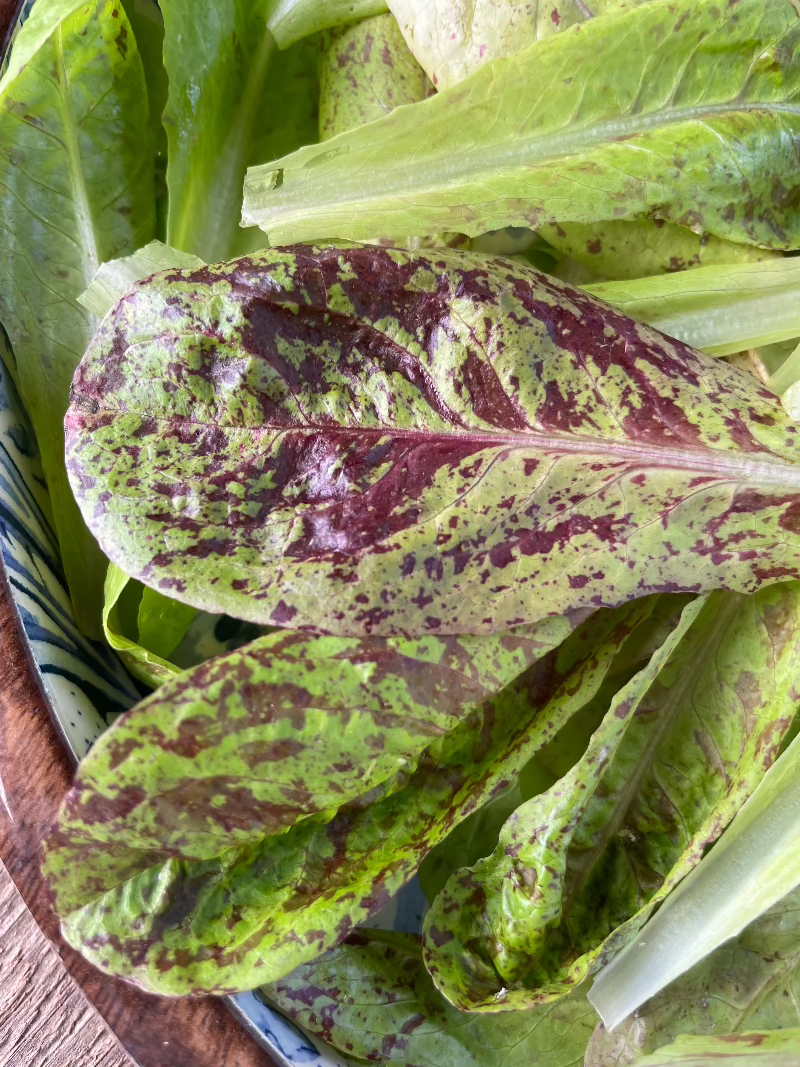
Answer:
(371, 998)
(256, 871)
(377, 441)
(579, 869)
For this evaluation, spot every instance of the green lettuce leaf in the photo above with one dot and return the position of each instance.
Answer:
(648, 132)
(453, 38)
(34, 34)
(232, 102)
(749, 983)
(199, 899)
(717, 309)
(78, 189)
(163, 622)
(366, 71)
(624, 250)
(122, 609)
(451, 450)
(372, 999)
(114, 278)
(752, 1048)
(580, 868)
(147, 24)
(788, 374)
(756, 862)
(291, 20)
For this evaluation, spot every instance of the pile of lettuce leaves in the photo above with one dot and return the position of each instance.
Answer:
(451, 347)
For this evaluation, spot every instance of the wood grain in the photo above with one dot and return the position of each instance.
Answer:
(34, 776)
(45, 1020)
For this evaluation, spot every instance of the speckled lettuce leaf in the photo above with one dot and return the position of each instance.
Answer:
(623, 250)
(453, 38)
(755, 863)
(78, 189)
(366, 71)
(372, 999)
(223, 114)
(750, 983)
(121, 608)
(477, 835)
(141, 901)
(628, 117)
(292, 20)
(752, 1048)
(368, 440)
(718, 309)
(468, 842)
(580, 868)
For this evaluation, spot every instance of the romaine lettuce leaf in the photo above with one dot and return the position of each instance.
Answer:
(788, 374)
(756, 862)
(366, 71)
(626, 117)
(751, 1048)
(218, 894)
(114, 278)
(377, 441)
(718, 309)
(749, 983)
(291, 20)
(232, 102)
(580, 868)
(624, 250)
(78, 188)
(123, 597)
(372, 999)
(477, 836)
(452, 38)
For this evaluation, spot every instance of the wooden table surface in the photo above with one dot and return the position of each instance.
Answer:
(45, 1020)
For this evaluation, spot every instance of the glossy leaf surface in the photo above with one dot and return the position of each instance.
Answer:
(682, 746)
(375, 441)
(372, 999)
(215, 905)
(634, 116)
(77, 189)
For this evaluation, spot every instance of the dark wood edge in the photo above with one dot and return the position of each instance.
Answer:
(35, 774)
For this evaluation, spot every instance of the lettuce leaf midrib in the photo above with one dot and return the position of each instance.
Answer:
(532, 150)
(779, 473)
